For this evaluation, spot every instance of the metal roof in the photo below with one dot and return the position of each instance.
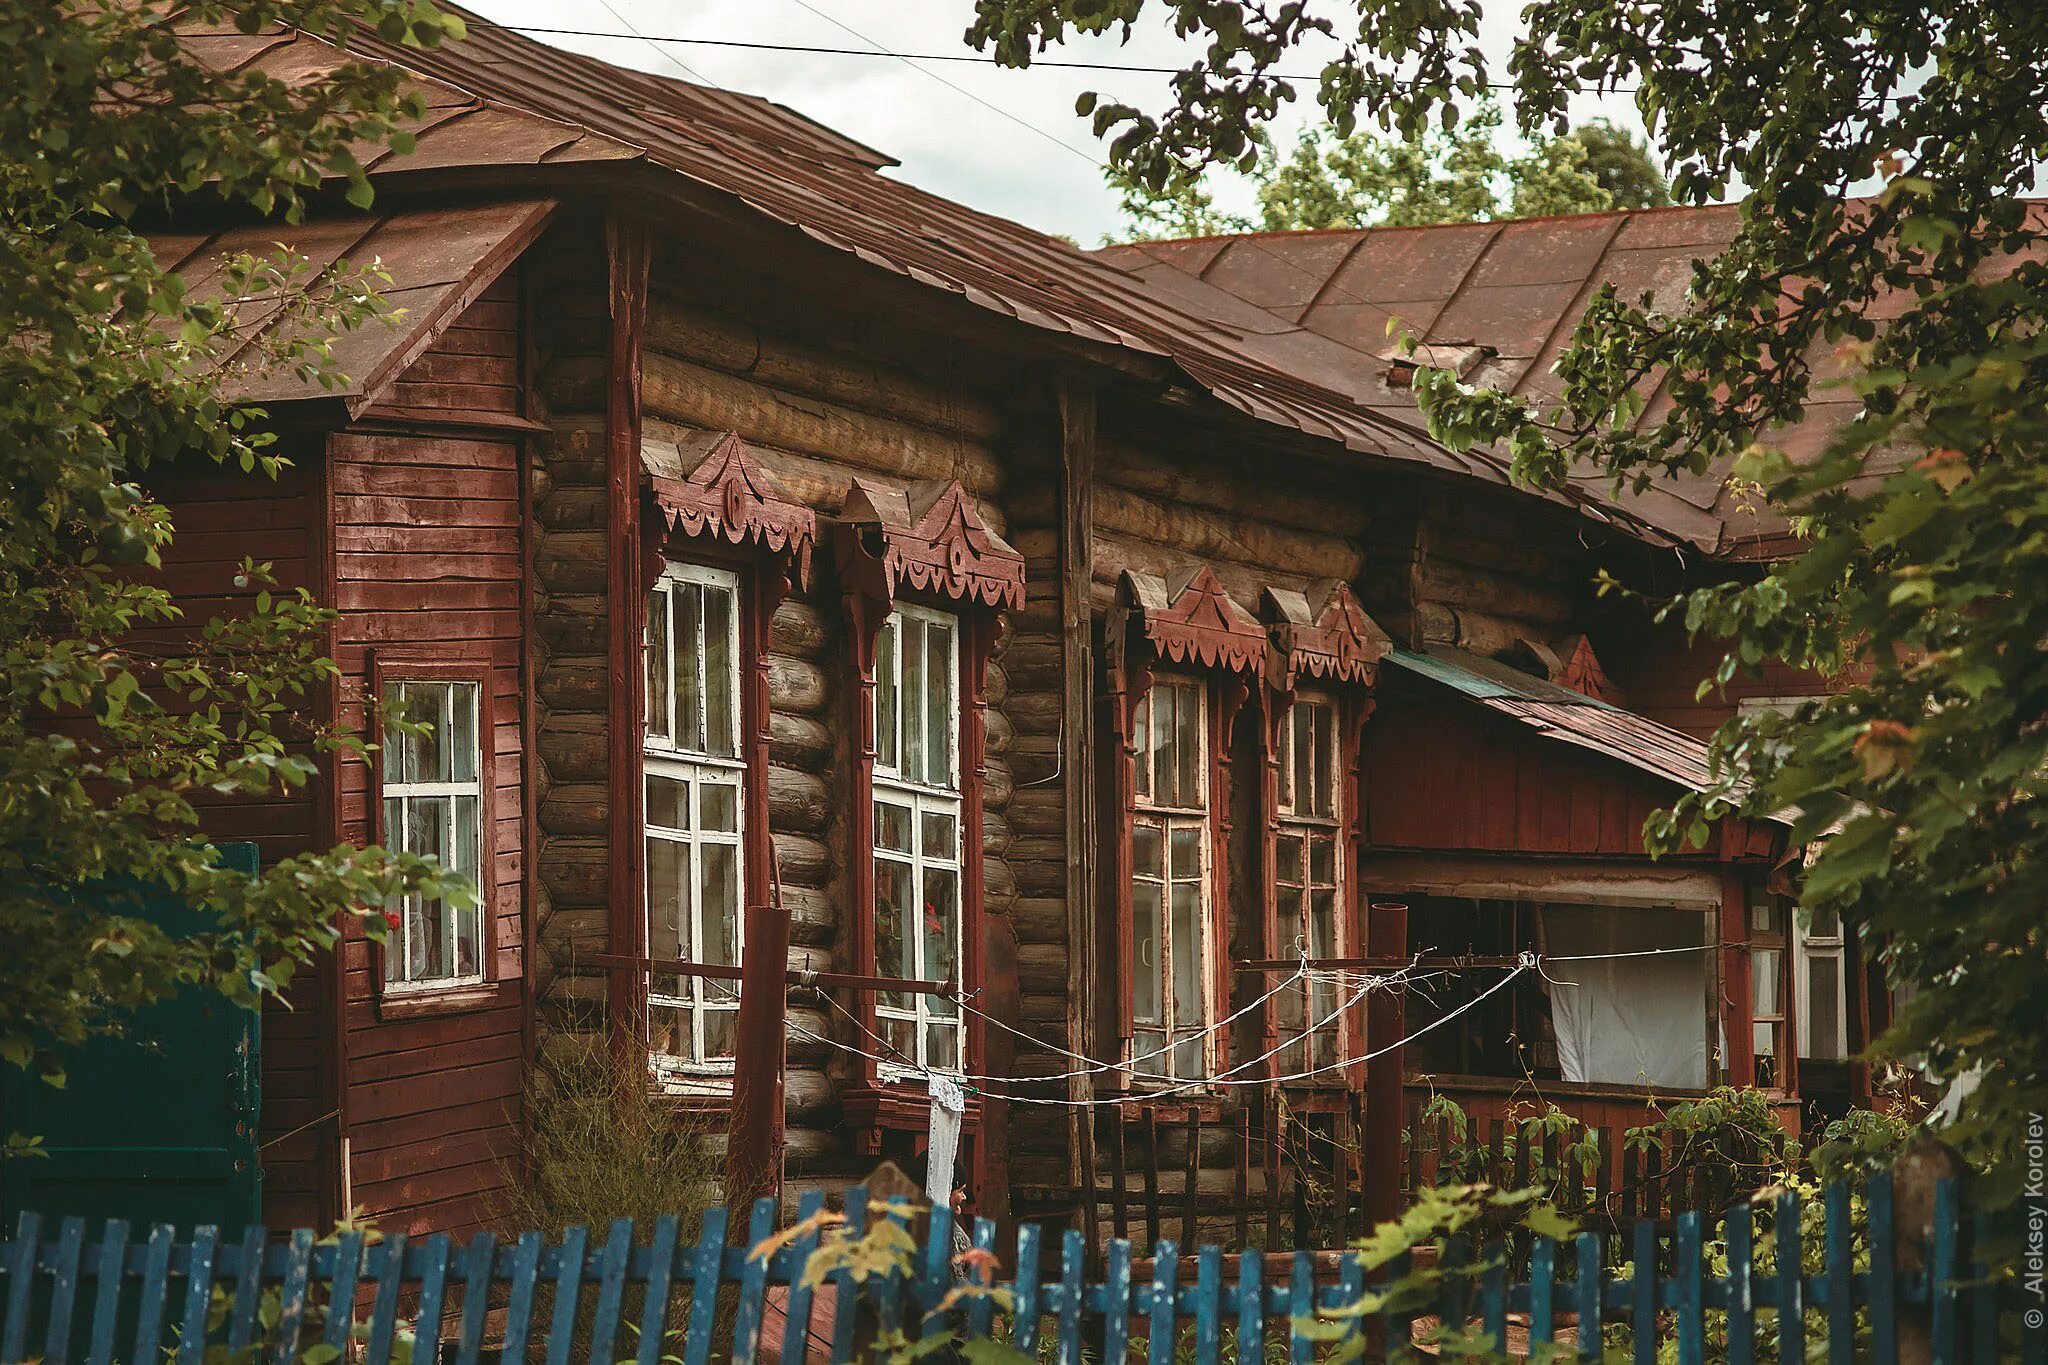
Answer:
(1564, 715)
(502, 100)
(438, 261)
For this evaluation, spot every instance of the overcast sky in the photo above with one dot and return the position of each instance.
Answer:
(1006, 142)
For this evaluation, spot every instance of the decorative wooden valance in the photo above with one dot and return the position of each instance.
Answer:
(710, 483)
(1192, 621)
(929, 538)
(1328, 637)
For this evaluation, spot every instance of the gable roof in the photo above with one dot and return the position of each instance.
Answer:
(501, 102)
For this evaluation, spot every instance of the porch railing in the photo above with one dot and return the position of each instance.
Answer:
(632, 1295)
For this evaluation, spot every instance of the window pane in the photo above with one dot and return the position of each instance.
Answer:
(1145, 1042)
(885, 695)
(1186, 846)
(1826, 924)
(941, 836)
(668, 1030)
(719, 806)
(1188, 741)
(1141, 744)
(1164, 728)
(1322, 861)
(1286, 757)
(901, 1037)
(431, 955)
(467, 921)
(1304, 757)
(668, 890)
(1824, 1009)
(940, 918)
(1766, 974)
(720, 1027)
(913, 699)
(1764, 918)
(668, 803)
(942, 1046)
(1322, 924)
(939, 675)
(658, 666)
(1145, 993)
(720, 655)
(689, 644)
(718, 903)
(1290, 859)
(1187, 1059)
(894, 904)
(1324, 783)
(1186, 934)
(463, 753)
(1145, 850)
(892, 826)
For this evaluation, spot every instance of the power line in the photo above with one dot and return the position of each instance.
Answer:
(656, 44)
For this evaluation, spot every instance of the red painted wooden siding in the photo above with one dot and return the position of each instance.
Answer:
(427, 558)
(1442, 773)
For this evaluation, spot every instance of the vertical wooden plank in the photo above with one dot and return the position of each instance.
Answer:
(1073, 1258)
(981, 1308)
(845, 1301)
(1081, 809)
(1116, 1303)
(1164, 1333)
(479, 1258)
(1301, 1310)
(1251, 1307)
(660, 1285)
(934, 1279)
(1791, 1282)
(1542, 1287)
(389, 1258)
(1269, 1120)
(1588, 1296)
(21, 1279)
(155, 1293)
(1942, 1268)
(1841, 1301)
(569, 1269)
(1741, 1236)
(522, 1278)
(109, 1267)
(1493, 1297)
(1631, 1182)
(341, 1289)
(1121, 1182)
(796, 1317)
(1029, 1305)
(1242, 1122)
(1191, 1193)
(1340, 1179)
(706, 1263)
(746, 1330)
(198, 1297)
(1692, 1323)
(1884, 1271)
(433, 1300)
(1643, 1293)
(1151, 1176)
(248, 1290)
(611, 1284)
(64, 1271)
(1208, 1306)
(1495, 1156)
(1984, 1294)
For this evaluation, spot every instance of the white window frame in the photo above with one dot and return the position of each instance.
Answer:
(698, 998)
(1168, 819)
(1827, 953)
(892, 785)
(398, 947)
(1298, 820)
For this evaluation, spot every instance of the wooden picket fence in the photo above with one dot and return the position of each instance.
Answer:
(659, 1299)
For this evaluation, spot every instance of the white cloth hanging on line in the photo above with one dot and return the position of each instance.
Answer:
(1630, 1020)
(949, 1103)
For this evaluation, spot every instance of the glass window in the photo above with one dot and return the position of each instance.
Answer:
(917, 834)
(1170, 997)
(1307, 880)
(695, 817)
(1823, 1016)
(433, 806)
(1767, 962)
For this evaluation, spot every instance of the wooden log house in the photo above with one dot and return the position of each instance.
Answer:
(815, 584)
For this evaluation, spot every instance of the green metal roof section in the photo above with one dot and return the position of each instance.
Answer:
(1486, 679)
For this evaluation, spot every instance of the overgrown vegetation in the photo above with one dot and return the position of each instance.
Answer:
(119, 717)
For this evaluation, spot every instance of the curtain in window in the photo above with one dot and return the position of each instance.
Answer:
(1628, 1020)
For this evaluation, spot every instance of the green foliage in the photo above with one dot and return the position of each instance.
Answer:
(1367, 179)
(117, 715)
(1920, 583)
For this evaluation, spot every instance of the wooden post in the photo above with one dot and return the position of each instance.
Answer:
(1386, 931)
(1737, 1001)
(1077, 762)
(1916, 1176)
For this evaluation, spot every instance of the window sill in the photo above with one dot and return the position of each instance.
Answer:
(431, 1002)
(871, 1109)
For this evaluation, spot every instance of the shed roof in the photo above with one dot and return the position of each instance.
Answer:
(501, 101)
(438, 260)
(1563, 715)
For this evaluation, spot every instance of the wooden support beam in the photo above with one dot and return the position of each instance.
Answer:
(793, 976)
(1386, 937)
(1077, 755)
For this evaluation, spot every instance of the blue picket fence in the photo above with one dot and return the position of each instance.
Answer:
(646, 1299)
